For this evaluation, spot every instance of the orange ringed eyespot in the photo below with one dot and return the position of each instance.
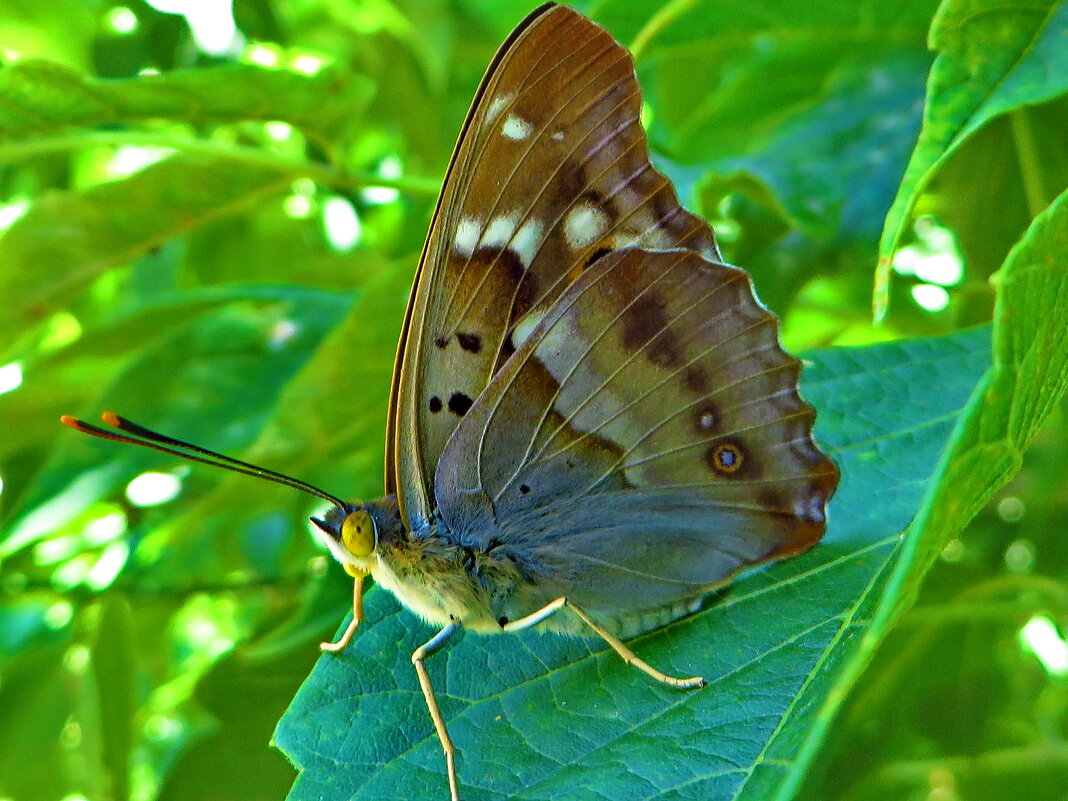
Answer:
(727, 458)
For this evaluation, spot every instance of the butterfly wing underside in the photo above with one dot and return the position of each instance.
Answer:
(551, 173)
(645, 441)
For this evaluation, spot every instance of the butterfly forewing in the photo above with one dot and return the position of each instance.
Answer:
(650, 408)
(551, 173)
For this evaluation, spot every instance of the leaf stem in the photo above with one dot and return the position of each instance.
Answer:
(664, 16)
(1006, 761)
(1027, 155)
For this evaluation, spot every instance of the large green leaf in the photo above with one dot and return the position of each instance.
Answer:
(68, 239)
(1027, 379)
(534, 715)
(818, 104)
(994, 56)
(41, 97)
(214, 345)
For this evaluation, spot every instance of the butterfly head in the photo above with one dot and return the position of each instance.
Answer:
(350, 532)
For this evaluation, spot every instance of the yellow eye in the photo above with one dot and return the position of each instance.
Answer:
(358, 533)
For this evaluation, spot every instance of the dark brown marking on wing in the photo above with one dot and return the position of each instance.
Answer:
(771, 499)
(472, 343)
(696, 379)
(645, 318)
(508, 346)
(645, 324)
(664, 350)
(523, 282)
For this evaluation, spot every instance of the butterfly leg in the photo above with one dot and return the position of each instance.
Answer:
(627, 655)
(357, 618)
(429, 648)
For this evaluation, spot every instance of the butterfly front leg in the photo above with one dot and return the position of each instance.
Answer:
(429, 648)
(628, 656)
(357, 617)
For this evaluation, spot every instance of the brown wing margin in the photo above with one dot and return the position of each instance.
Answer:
(391, 477)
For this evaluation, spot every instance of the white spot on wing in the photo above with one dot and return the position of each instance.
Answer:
(499, 232)
(526, 241)
(498, 103)
(525, 327)
(558, 136)
(467, 233)
(585, 224)
(516, 127)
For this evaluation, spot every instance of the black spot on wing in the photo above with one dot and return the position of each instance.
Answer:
(435, 404)
(459, 403)
(472, 343)
(598, 254)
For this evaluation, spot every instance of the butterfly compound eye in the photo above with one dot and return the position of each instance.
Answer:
(358, 533)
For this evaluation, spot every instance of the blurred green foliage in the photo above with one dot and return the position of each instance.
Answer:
(210, 222)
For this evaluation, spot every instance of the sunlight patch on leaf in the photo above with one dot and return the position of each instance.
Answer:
(10, 377)
(1040, 637)
(930, 297)
(212, 24)
(153, 488)
(121, 20)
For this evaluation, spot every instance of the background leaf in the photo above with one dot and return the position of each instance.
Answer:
(994, 57)
(41, 97)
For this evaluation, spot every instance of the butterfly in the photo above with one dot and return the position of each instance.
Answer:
(592, 423)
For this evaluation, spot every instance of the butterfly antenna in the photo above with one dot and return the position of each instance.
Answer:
(133, 434)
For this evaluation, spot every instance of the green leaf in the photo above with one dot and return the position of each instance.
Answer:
(1027, 380)
(534, 715)
(113, 671)
(38, 97)
(214, 378)
(1016, 393)
(68, 239)
(994, 56)
(819, 104)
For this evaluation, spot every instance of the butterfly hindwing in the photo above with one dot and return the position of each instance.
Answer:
(650, 408)
(551, 174)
